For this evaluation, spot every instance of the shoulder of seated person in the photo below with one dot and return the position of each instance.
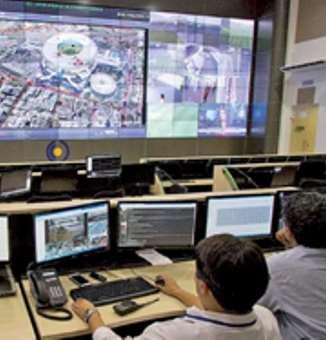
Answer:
(281, 259)
(266, 316)
(281, 255)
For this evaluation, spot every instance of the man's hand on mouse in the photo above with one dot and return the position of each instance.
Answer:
(167, 285)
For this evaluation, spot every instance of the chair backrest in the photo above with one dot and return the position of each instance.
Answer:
(311, 171)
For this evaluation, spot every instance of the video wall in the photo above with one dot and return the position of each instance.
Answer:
(80, 72)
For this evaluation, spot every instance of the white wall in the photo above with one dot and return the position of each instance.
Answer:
(297, 53)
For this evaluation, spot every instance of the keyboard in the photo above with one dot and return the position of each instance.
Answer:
(109, 292)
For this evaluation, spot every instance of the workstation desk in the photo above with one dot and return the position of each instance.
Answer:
(16, 208)
(166, 307)
(14, 319)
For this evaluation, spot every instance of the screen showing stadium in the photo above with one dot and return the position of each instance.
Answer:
(82, 72)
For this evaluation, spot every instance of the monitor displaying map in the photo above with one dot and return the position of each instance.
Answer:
(78, 72)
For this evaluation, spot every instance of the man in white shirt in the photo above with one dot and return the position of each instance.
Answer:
(297, 289)
(231, 276)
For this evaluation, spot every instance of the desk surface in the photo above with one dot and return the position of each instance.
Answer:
(14, 319)
(263, 165)
(167, 306)
(28, 208)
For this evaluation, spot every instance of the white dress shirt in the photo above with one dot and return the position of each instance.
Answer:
(197, 324)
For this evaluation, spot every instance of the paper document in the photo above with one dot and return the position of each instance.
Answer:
(153, 257)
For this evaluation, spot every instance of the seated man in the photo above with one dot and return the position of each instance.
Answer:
(297, 289)
(231, 275)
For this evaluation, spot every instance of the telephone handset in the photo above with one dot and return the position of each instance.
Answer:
(48, 293)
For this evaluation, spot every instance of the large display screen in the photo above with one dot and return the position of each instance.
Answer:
(82, 72)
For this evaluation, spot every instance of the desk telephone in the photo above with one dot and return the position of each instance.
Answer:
(49, 294)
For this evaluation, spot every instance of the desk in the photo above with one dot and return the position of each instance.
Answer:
(262, 165)
(167, 306)
(190, 182)
(196, 196)
(14, 319)
(19, 208)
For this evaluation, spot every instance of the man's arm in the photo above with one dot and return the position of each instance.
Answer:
(97, 326)
(171, 288)
(94, 321)
(272, 297)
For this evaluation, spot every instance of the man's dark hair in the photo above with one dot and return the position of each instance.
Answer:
(234, 270)
(304, 214)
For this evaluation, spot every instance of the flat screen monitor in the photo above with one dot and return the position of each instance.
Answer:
(284, 176)
(4, 239)
(59, 181)
(15, 183)
(160, 225)
(71, 231)
(242, 216)
(143, 174)
(103, 166)
(76, 72)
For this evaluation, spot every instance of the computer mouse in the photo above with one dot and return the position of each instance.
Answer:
(159, 280)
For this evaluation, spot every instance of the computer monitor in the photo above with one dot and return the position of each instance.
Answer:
(283, 176)
(59, 181)
(103, 166)
(71, 231)
(15, 183)
(138, 174)
(156, 224)
(4, 239)
(242, 215)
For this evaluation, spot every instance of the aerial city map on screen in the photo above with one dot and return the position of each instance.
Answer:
(108, 73)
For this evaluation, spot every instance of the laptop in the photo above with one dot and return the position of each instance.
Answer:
(7, 283)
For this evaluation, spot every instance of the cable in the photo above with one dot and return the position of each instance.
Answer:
(66, 314)
(148, 302)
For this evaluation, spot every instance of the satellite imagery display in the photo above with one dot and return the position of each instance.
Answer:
(84, 72)
(70, 76)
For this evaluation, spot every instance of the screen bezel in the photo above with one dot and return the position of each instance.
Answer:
(8, 234)
(195, 228)
(248, 237)
(80, 254)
